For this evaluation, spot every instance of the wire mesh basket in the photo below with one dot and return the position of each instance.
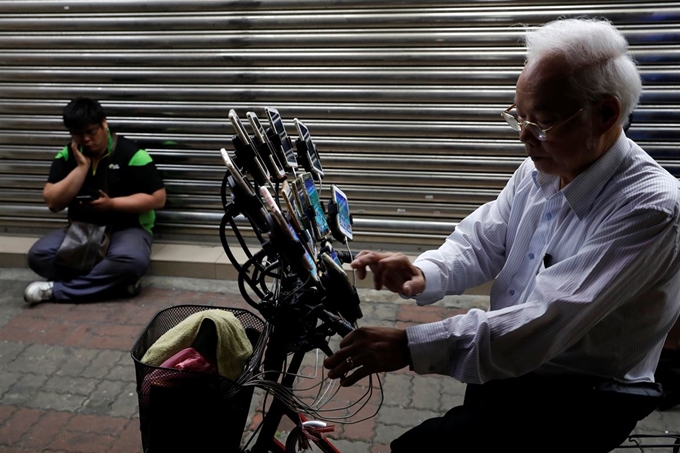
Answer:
(191, 411)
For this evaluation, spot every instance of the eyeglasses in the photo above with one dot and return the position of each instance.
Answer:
(535, 129)
(89, 132)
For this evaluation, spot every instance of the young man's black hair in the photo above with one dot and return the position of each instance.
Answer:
(82, 112)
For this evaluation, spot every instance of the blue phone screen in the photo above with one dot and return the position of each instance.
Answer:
(335, 257)
(319, 216)
(343, 213)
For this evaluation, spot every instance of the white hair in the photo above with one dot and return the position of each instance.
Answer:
(597, 52)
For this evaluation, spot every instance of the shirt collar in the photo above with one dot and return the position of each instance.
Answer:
(584, 189)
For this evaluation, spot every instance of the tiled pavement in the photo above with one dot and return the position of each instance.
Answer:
(67, 381)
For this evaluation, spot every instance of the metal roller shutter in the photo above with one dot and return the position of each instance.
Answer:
(402, 98)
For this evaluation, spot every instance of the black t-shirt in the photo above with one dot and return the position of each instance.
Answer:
(127, 170)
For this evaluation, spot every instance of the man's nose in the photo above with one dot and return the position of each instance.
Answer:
(526, 136)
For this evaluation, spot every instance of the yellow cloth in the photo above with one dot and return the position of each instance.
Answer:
(233, 346)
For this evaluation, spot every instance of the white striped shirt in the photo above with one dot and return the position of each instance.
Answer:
(604, 304)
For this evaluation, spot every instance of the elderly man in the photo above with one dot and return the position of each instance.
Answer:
(584, 246)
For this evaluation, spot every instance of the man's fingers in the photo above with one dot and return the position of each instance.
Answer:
(342, 368)
(378, 272)
(355, 377)
(353, 364)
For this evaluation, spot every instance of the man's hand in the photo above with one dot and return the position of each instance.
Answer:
(101, 204)
(81, 159)
(368, 350)
(394, 271)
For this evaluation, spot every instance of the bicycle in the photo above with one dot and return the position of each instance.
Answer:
(302, 313)
(300, 289)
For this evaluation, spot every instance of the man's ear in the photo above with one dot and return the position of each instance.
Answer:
(607, 111)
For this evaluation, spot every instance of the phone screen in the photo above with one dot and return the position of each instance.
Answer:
(277, 125)
(327, 248)
(344, 221)
(319, 219)
(305, 136)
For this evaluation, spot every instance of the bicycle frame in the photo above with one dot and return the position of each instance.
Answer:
(266, 440)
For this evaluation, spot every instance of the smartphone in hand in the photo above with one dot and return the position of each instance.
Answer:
(86, 197)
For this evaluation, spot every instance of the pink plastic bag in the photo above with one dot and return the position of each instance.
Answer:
(189, 360)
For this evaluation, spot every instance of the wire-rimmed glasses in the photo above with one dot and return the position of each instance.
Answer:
(535, 129)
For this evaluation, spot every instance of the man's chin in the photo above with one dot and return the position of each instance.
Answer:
(543, 164)
(91, 152)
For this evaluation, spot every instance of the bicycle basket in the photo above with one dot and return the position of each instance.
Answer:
(190, 411)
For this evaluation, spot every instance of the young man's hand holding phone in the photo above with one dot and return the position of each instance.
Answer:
(96, 201)
(87, 197)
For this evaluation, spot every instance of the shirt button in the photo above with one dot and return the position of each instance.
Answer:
(512, 292)
(548, 216)
(531, 256)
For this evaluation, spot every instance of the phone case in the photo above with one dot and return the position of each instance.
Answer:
(240, 181)
(280, 131)
(312, 154)
(265, 148)
(295, 215)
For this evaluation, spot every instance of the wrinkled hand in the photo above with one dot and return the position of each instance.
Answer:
(370, 350)
(394, 271)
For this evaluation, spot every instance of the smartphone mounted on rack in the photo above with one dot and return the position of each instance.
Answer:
(266, 149)
(341, 296)
(339, 217)
(307, 153)
(326, 247)
(286, 240)
(243, 194)
(247, 155)
(295, 197)
(314, 210)
(298, 219)
(279, 137)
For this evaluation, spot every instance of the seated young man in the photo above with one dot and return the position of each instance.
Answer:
(126, 187)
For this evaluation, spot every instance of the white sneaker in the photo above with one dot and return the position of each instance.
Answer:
(38, 292)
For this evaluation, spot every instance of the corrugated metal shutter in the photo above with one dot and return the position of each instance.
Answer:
(402, 98)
